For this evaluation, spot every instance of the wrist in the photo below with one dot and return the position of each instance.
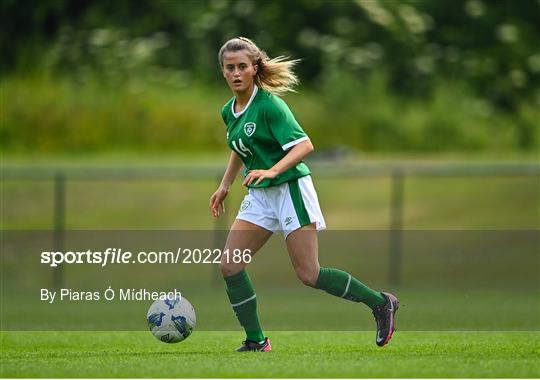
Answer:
(274, 171)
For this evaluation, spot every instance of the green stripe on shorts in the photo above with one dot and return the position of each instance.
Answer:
(298, 203)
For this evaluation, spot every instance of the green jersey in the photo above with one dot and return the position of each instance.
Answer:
(262, 133)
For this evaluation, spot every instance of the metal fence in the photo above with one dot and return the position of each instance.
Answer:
(398, 174)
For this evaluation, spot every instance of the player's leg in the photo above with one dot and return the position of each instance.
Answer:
(302, 245)
(246, 237)
(302, 203)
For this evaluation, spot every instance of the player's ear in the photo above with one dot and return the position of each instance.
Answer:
(255, 69)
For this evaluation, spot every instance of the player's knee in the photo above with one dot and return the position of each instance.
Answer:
(308, 277)
(226, 269)
(229, 269)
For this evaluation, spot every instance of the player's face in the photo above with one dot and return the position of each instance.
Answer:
(238, 71)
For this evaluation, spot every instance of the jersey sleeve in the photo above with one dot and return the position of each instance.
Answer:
(283, 125)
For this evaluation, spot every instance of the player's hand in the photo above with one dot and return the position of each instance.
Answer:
(259, 175)
(217, 206)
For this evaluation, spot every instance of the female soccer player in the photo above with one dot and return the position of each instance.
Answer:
(265, 137)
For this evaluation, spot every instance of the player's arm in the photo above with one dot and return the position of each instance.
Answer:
(233, 167)
(216, 200)
(296, 154)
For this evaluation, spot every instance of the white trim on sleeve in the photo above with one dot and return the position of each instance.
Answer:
(293, 143)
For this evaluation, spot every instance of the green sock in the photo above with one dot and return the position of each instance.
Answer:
(244, 302)
(342, 284)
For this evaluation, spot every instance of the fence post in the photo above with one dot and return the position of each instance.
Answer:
(59, 223)
(396, 228)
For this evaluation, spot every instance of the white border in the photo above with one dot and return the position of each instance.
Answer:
(293, 143)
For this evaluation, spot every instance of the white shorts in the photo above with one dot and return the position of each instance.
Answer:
(285, 207)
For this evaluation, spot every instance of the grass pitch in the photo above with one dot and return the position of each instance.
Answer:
(295, 354)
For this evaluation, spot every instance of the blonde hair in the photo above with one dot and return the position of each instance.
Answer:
(273, 75)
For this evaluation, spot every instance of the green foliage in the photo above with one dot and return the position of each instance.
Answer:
(58, 114)
(415, 41)
(368, 115)
(410, 75)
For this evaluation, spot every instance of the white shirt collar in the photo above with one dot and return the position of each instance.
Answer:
(237, 115)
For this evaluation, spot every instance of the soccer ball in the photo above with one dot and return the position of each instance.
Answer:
(171, 320)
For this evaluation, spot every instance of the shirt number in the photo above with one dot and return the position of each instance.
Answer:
(241, 149)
